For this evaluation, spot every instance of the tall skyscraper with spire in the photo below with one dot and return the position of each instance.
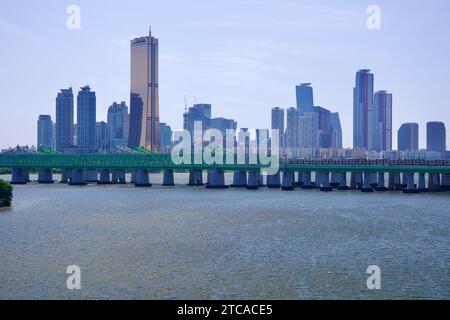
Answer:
(144, 97)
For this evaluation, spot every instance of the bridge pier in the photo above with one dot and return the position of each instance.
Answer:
(335, 179)
(394, 181)
(91, 175)
(45, 176)
(343, 181)
(404, 181)
(142, 178)
(133, 176)
(195, 178)
(252, 181)
(27, 175)
(65, 175)
(381, 186)
(325, 182)
(373, 179)
(168, 180)
(434, 182)
(356, 180)
(18, 176)
(105, 177)
(216, 179)
(299, 181)
(118, 177)
(261, 179)
(239, 179)
(410, 186)
(274, 181)
(77, 178)
(366, 184)
(307, 184)
(445, 181)
(422, 185)
(288, 183)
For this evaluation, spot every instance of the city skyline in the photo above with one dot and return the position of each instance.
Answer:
(337, 97)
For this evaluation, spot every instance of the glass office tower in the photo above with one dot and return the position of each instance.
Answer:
(144, 99)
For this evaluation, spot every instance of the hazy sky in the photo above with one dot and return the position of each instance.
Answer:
(244, 57)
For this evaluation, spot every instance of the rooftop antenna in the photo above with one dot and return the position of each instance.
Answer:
(150, 30)
(185, 104)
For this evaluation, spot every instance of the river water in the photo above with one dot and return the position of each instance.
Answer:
(191, 243)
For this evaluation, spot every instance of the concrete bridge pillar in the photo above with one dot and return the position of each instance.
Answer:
(307, 184)
(410, 186)
(208, 178)
(325, 186)
(27, 174)
(252, 181)
(118, 177)
(445, 181)
(299, 181)
(133, 176)
(356, 180)
(45, 175)
(381, 185)
(274, 181)
(65, 175)
(394, 181)
(288, 183)
(404, 181)
(195, 178)
(343, 181)
(434, 182)
(168, 179)
(261, 179)
(373, 179)
(335, 179)
(18, 176)
(142, 178)
(105, 177)
(216, 179)
(366, 184)
(239, 179)
(422, 185)
(318, 180)
(77, 177)
(91, 175)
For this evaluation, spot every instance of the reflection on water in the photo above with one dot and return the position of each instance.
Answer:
(192, 243)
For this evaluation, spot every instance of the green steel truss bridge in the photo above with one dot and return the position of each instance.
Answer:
(153, 161)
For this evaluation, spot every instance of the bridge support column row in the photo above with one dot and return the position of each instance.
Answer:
(77, 177)
(19, 176)
(356, 180)
(410, 185)
(342, 177)
(434, 182)
(142, 178)
(105, 177)
(325, 182)
(168, 180)
(307, 184)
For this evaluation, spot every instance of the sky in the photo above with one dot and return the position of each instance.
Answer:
(242, 56)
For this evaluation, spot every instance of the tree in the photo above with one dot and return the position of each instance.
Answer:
(5, 193)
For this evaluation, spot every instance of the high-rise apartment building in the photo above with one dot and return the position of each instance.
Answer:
(383, 121)
(363, 113)
(64, 120)
(408, 137)
(86, 120)
(44, 131)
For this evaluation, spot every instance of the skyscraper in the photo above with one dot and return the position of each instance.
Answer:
(408, 137)
(222, 124)
(64, 120)
(278, 123)
(101, 136)
(324, 125)
(118, 124)
(363, 115)
(166, 137)
(336, 131)
(305, 99)
(86, 120)
(198, 112)
(292, 131)
(383, 121)
(44, 131)
(436, 137)
(144, 98)
(309, 130)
